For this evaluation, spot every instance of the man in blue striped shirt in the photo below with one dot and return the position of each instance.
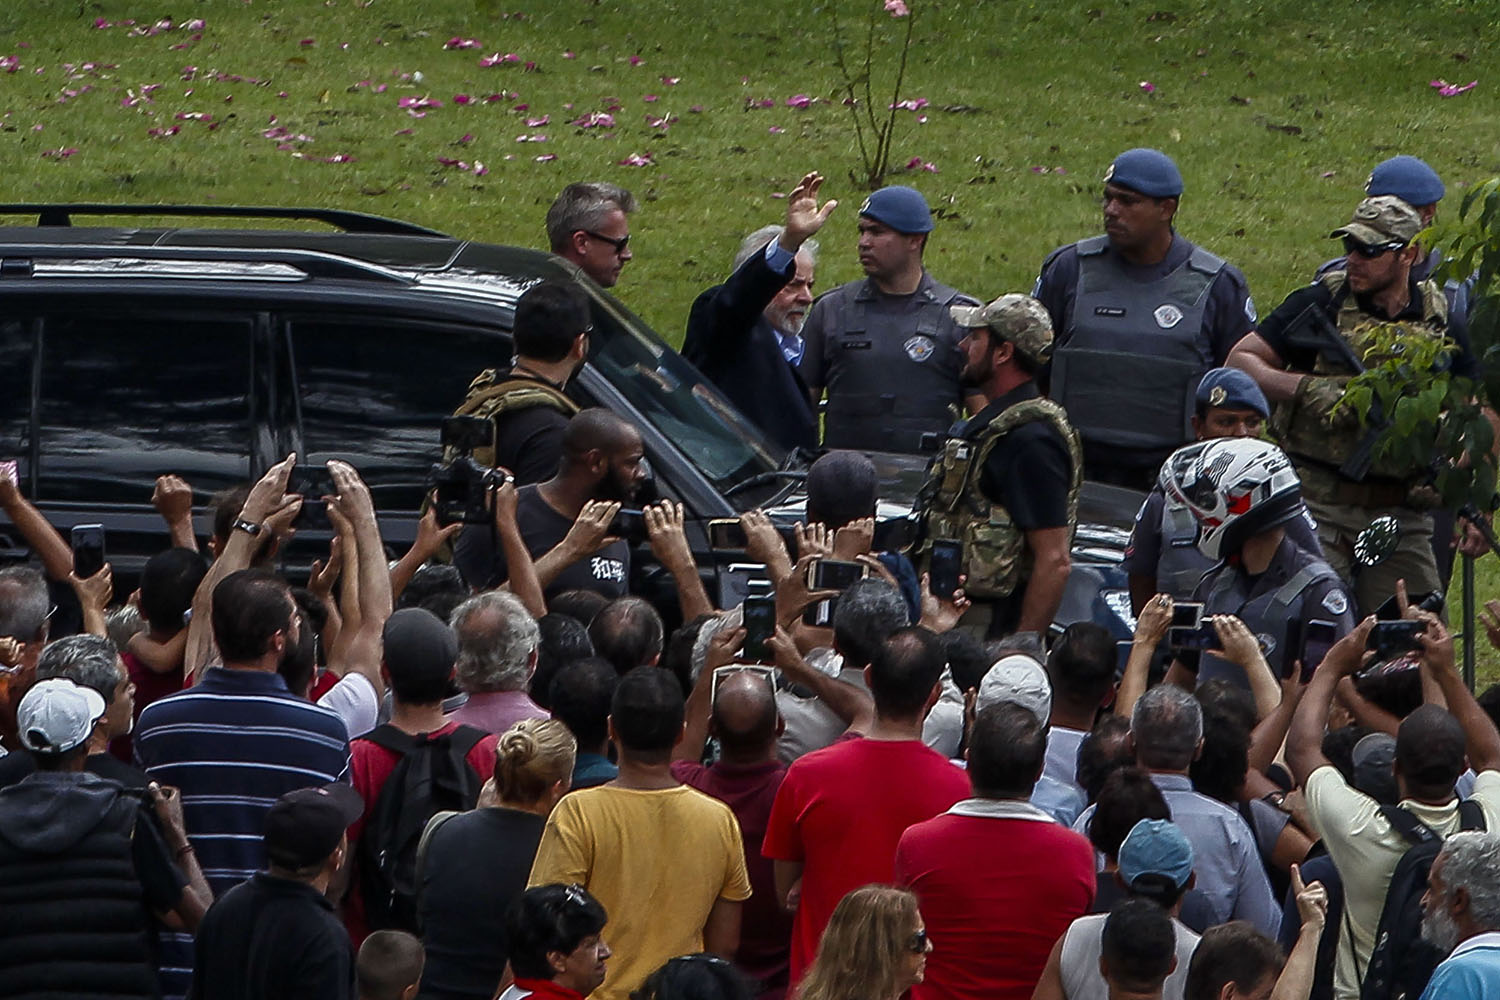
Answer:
(238, 741)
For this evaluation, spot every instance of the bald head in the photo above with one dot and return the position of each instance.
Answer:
(597, 429)
(745, 719)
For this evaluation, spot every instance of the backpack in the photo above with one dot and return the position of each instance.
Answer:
(432, 776)
(1401, 962)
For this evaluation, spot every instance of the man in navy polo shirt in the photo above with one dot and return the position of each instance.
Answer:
(238, 741)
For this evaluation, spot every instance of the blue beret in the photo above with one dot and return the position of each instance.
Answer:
(1408, 178)
(1149, 171)
(1232, 389)
(900, 207)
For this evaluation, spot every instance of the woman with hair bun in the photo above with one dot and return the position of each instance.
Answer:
(473, 866)
(874, 948)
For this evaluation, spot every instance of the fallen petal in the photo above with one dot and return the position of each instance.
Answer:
(546, 158)
(896, 8)
(1148, 87)
(538, 122)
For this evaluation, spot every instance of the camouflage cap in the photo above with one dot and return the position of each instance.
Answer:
(1383, 219)
(1019, 319)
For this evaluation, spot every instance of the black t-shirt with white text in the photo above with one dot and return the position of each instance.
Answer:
(480, 559)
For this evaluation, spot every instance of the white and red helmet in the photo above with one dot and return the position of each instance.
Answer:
(1235, 488)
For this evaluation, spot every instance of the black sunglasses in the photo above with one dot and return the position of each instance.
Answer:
(918, 943)
(618, 244)
(1369, 251)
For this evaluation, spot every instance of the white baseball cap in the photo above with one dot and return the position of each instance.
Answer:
(1019, 679)
(57, 715)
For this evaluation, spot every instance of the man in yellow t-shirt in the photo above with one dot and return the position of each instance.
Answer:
(664, 859)
(1430, 748)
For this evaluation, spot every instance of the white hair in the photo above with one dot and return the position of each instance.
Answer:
(1471, 861)
(764, 235)
(496, 640)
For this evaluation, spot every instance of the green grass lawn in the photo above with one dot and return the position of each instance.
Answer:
(1275, 110)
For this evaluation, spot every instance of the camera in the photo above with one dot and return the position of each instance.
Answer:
(461, 482)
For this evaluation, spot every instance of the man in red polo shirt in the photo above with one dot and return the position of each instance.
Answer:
(999, 880)
(841, 810)
(417, 656)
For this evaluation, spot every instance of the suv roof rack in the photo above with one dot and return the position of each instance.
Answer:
(17, 257)
(350, 222)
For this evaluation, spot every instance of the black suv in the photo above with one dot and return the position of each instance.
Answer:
(131, 351)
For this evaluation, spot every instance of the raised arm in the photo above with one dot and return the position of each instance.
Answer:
(589, 534)
(521, 573)
(267, 497)
(362, 653)
(1150, 627)
(664, 528)
(173, 500)
(50, 547)
(430, 538)
(1304, 741)
(1481, 740)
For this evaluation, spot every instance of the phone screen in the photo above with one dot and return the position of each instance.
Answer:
(1200, 637)
(88, 550)
(629, 525)
(726, 533)
(1388, 639)
(760, 624)
(313, 483)
(943, 570)
(1317, 639)
(834, 574)
(1186, 614)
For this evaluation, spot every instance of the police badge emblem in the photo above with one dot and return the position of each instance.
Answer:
(1167, 316)
(919, 348)
(1217, 395)
(1335, 602)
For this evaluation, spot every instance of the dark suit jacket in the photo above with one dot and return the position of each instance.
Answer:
(734, 346)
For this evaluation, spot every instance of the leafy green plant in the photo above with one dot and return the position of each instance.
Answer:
(873, 135)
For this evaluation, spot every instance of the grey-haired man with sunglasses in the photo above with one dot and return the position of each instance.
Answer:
(586, 226)
(1375, 296)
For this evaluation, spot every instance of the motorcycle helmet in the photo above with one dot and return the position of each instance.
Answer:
(1235, 488)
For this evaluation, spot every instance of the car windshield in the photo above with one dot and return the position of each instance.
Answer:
(676, 399)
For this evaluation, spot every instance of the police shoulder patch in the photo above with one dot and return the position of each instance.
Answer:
(1335, 602)
(919, 348)
(1250, 312)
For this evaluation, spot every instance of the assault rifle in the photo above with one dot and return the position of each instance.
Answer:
(1312, 330)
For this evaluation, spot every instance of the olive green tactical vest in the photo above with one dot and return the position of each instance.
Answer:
(492, 399)
(995, 557)
(1307, 426)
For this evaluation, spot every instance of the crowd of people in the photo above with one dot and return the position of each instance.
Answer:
(496, 766)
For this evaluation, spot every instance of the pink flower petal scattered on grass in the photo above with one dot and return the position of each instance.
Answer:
(10, 63)
(917, 163)
(776, 130)
(163, 133)
(538, 122)
(595, 119)
(650, 98)
(1446, 89)
(570, 55)
(462, 43)
(1147, 87)
(461, 98)
(696, 109)
(799, 101)
(897, 8)
(671, 81)
(497, 58)
(546, 158)
(910, 104)
(532, 137)
(637, 160)
(60, 154)
(636, 60)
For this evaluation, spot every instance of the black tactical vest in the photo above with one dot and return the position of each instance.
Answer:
(74, 924)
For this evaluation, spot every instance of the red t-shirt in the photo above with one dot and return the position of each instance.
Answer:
(996, 894)
(370, 767)
(149, 686)
(841, 810)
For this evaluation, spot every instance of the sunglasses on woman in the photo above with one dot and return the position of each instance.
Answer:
(918, 944)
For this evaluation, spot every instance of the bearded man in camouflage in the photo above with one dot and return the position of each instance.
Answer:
(1375, 298)
(1006, 486)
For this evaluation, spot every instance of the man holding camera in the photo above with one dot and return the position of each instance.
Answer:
(1244, 492)
(527, 404)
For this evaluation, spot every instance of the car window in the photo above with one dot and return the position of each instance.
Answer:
(676, 399)
(129, 394)
(374, 391)
(15, 388)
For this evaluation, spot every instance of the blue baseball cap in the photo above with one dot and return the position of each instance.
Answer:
(1232, 389)
(900, 207)
(1149, 171)
(1408, 178)
(1156, 847)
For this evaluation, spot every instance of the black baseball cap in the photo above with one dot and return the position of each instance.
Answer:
(304, 827)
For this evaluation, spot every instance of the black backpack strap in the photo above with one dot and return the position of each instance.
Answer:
(1414, 830)
(388, 737)
(1470, 815)
(466, 738)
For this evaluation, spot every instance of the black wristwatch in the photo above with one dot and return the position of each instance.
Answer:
(248, 527)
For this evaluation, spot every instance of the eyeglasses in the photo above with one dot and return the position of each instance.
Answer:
(918, 944)
(1369, 251)
(618, 244)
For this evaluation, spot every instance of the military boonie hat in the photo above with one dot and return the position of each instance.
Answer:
(1383, 219)
(1019, 319)
(900, 207)
(1149, 171)
(1408, 178)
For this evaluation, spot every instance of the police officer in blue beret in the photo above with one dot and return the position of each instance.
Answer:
(885, 347)
(1162, 556)
(1141, 314)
